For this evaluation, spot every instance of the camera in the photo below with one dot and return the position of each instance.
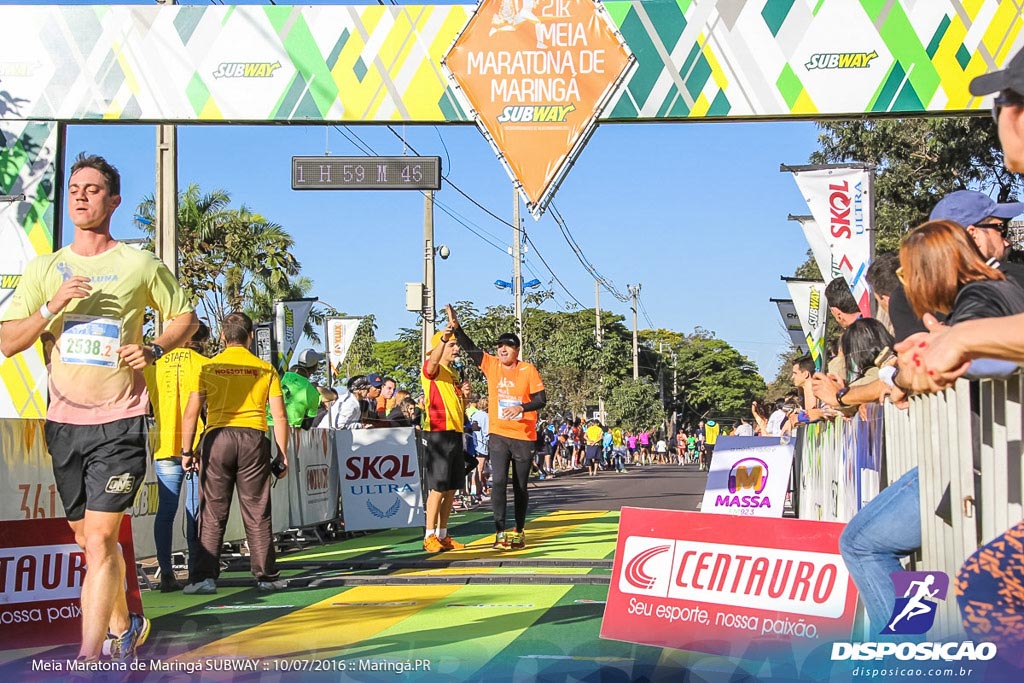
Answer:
(277, 468)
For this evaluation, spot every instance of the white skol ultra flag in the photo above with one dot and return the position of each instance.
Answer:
(809, 300)
(819, 247)
(840, 200)
(340, 333)
(289, 320)
(791, 319)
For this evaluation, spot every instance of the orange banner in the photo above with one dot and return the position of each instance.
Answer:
(538, 73)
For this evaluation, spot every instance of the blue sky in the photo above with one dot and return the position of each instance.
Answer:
(695, 212)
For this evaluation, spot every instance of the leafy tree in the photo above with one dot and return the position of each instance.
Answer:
(918, 162)
(401, 360)
(713, 379)
(636, 404)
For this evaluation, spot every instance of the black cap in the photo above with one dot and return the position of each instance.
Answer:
(508, 339)
(1010, 78)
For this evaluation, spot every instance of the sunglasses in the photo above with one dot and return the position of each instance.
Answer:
(1002, 226)
(1007, 98)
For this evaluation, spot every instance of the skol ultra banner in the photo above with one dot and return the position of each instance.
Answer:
(827, 266)
(840, 201)
(809, 299)
(538, 74)
(340, 333)
(380, 478)
(718, 584)
(290, 319)
(748, 477)
(27, 182)
(791, 319)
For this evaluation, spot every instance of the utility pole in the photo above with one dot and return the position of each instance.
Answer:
(634, 291)
(428, 271)
(599, 337)
(517, 264)
(165, 235)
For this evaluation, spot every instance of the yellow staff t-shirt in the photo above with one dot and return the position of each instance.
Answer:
(238, 385)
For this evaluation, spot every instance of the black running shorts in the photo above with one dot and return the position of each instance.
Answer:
(445, 467)
(97, 467)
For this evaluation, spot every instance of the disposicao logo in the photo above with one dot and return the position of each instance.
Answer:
(246, 69)
(917, 595)
(841, 60)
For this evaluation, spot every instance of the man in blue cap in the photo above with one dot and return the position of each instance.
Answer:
(987, 222)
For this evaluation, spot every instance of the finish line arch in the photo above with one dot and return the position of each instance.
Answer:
(696, 59)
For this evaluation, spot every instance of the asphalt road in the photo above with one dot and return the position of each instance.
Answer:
(666, 487)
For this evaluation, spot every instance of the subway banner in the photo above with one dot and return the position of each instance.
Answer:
(181, 63)
(715, 584)
(538, 74)
(28, 161)
(809, 299)
(841, 201)
(289, 322)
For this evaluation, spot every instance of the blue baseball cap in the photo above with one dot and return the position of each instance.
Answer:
(969, 207)
(375, 380)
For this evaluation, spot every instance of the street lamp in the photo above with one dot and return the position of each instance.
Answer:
(502, 284)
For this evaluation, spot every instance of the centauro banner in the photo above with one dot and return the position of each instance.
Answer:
(840, 201)
(538, 74)
(809, 299)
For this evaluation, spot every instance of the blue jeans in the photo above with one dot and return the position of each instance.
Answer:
(169, 475)
(885, 530)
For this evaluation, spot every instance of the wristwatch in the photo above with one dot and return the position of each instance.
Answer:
(187, 454)
(839, 396)
(158, 351)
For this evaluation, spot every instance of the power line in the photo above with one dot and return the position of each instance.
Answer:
(643, 309)
(576, 249)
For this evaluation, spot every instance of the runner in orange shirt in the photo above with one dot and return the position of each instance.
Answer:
(515, 393)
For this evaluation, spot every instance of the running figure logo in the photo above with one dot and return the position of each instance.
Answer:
(914, 613)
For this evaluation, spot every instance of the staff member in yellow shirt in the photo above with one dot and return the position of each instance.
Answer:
(170, 381)
(236, 387)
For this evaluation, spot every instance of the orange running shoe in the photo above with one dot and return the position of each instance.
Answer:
(449, 543)
(432, 544)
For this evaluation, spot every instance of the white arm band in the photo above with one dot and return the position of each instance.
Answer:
(46, 312)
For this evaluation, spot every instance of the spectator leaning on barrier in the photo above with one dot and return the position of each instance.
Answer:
(444, 470)
(170, 382)
(989, 585)
(987, 222)
(87, 303)
(942, 271)
(515, 394)
(236, 388)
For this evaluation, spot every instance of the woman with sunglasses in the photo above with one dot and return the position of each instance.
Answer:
(943, 273)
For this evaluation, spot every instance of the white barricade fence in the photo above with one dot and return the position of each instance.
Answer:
(312, 477)
(27, 491)
(839, 465)
(379, 473)
(749, 476)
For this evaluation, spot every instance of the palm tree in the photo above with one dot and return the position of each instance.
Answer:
(228, 259)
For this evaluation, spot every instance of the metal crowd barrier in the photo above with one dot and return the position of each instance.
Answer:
(967, 439)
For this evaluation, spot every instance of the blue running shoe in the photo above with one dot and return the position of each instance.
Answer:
(122, 648)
